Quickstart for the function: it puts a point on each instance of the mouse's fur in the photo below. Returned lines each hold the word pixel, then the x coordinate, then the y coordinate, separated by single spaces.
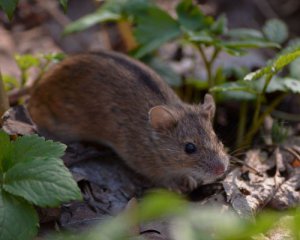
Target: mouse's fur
pixel 115 100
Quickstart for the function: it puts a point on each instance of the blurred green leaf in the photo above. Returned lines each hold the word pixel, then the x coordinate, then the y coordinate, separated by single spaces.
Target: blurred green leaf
pixel 201 37
pixel 219 27
pixel 294 69
pixel 10 82
pixel 154 28
pixel 190 16
pixel 285 59
pixel 235 86
pixel 245 33
pixel 5 153
pixel 160 204
pixel 54 57
pixel 197 83
pixel 165 71
pixel 292 46
pixel 27 61
pixel 90 20
pixel 250 44
pixel 275 85
pixel 293 85
pixel 276 30
pixel 273 66
pixel 9 6
pixel 64 3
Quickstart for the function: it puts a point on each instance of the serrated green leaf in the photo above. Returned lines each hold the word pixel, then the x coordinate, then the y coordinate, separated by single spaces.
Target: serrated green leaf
pixel 27 61
pixel 276 31
pixel 154 28
pixel 245 33
pixel 9 6
pixel 28 148
pixel 18 219
pixel 64 3
pixel 5 153
pixel 257 74
pixel 45 182
pixel 219 27
pixel 90 20
pixel 190 16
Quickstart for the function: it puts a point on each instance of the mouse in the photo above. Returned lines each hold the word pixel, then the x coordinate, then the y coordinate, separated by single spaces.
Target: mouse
pixel 112 99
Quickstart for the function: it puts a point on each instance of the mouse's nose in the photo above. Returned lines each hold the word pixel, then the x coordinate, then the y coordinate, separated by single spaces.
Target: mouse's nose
pixel 219 169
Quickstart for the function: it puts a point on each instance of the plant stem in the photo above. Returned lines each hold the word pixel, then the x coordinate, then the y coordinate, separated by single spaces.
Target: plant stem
pixel 242 123
pixel 260 99
pixel 3 99
pixel 256 125
pixel 207 64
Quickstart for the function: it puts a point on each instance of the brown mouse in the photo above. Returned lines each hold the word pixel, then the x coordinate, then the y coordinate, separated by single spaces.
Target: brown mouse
pixel 118 101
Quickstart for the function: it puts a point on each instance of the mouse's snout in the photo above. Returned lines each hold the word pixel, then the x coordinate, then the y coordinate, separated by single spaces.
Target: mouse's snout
pixel 220 165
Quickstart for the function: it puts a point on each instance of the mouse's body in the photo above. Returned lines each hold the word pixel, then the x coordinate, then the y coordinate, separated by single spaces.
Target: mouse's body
pixel 112 99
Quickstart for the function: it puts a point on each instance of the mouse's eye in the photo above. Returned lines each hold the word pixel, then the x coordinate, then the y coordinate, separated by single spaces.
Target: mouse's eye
pixel 190 148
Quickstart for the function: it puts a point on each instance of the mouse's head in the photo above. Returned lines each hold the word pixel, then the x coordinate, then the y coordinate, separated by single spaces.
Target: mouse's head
pixel 190 152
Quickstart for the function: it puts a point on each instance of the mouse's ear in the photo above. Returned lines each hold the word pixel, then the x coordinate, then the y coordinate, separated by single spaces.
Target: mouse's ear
pixel 161 117
pixel 208 107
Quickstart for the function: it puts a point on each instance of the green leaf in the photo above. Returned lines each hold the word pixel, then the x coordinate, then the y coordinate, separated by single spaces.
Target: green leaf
pixel 284 60
pixel 27 61
pixel 5 153
pixel 235 86
pixel 54 57
pixel 10 82
pixel 197 83
pixel 202 37
pixel 275 85
pixel 245 33
pixel 19 220
pixel 64 3
pixel 273 66
pixel 190 16
pixel 90 20
pixel 276 31
pixel 160 203
pixel 292 85
pixel 294 68
pixel 219 27
pixel 45 182
pixel 154 28
pixel 28 148
pixel 250 44
pixel 9 7
pixel 165 71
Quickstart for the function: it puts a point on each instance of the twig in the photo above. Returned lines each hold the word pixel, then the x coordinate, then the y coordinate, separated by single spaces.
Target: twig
pixel 4 105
